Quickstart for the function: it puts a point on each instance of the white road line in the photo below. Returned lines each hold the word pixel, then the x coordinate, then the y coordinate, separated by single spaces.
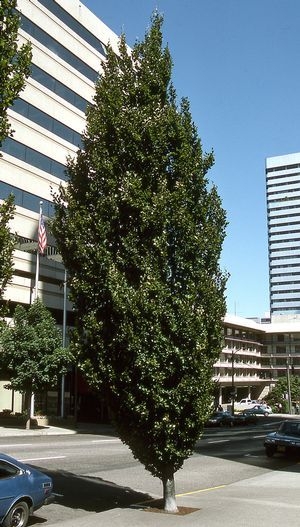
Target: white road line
pixel 41 458
pixel 259 437
pixel 106 441
pixel 15 446
pixel 219 441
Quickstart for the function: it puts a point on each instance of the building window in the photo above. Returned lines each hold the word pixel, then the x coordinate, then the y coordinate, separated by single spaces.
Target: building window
pixel 59 50
pixel 34 158
pixel 46 121
pixel 58 88
pixel 73 24
pixel 26 199
pixel 281 349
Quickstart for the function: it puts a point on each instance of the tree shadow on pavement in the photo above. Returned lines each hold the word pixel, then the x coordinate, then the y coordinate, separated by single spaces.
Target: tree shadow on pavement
pixel 90 493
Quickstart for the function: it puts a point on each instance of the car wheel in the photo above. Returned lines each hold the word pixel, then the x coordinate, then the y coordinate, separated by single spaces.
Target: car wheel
pixel 17 516
pixel 266 414
pixel 270 452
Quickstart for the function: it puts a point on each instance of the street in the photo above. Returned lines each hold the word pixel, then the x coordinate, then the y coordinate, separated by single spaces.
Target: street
pixel 93 473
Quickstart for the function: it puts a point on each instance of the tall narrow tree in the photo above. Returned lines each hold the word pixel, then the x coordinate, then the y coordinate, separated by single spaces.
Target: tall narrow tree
pixel 14 64
pixel 140 230
pixel 14 69
pixel 7 244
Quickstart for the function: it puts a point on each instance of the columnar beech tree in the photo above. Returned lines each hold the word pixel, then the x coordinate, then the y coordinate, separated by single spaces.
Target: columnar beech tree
pixel 31 351
pixel 140 230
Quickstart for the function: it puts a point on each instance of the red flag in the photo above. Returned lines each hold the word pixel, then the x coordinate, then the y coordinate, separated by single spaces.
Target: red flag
pixel 42 243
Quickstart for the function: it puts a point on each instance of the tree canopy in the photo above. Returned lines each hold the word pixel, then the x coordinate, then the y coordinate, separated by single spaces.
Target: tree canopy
pixel 14 69
pixel 140 229
pixel 31 350
pixel 14 63
pixel 7 244
pixel 280 391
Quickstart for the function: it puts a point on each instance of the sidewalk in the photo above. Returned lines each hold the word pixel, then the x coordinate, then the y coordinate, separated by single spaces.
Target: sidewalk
pixel 268 500
pixel 81 428
pixel 92 428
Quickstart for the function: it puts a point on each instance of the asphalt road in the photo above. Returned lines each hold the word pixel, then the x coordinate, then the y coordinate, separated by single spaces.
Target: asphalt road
pixel 95 473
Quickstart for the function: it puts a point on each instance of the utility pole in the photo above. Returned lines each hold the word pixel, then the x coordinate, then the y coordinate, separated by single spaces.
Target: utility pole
pixel 232 383
pixel 289 385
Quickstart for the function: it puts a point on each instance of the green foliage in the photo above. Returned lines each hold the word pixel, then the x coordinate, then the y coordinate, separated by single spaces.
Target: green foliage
pixel 278 393
pixel 141 238
pixel 14 69
pixel 31 353
pixel 7 243
pixel 14 62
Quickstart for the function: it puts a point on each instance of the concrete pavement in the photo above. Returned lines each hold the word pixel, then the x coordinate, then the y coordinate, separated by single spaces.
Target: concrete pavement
pixel 270 499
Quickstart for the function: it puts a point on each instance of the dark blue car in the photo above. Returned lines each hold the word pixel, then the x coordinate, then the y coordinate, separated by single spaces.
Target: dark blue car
pixel 285 441
pixel 22 490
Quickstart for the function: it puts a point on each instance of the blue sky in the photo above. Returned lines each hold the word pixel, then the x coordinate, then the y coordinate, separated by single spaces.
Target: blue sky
pixel 237 61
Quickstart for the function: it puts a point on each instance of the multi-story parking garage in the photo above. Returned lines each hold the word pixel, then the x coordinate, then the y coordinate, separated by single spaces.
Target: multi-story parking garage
pixel 254 356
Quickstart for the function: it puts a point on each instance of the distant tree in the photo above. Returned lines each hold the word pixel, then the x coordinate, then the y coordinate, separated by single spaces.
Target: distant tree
pixel 280 390
pixel 14 64
pixel 31 351
pixel 141 237
pixel 7 244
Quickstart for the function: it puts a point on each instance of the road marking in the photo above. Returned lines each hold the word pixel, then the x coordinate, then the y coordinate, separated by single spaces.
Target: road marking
pixel 15 446
pixel 106 441
pixel 219 441
pixel 259 437
pixel 41 458
pixel 200 490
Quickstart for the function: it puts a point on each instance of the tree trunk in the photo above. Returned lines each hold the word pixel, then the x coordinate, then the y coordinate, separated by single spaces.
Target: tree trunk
pixel 169 491
pixel 28 410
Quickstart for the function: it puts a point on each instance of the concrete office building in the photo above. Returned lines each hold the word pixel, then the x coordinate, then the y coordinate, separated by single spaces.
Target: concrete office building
pixel 254 356
pixel 68 44
pixel 283 215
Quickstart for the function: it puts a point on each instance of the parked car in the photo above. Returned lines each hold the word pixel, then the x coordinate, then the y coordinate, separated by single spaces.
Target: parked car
pixel 22 490
pixel 220 419
pixel 245 418
pixel 285 441
pixel 247 401
pixel 259 409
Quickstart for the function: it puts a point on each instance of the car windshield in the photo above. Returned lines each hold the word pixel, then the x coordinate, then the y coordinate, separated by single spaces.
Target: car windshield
pixel 290 429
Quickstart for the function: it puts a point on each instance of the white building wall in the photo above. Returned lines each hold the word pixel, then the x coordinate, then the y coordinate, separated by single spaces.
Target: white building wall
pixel 21 174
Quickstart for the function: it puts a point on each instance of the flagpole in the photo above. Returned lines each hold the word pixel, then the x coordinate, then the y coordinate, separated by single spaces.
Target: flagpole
pixel 37 272
pixel 37 269
pixel 62 402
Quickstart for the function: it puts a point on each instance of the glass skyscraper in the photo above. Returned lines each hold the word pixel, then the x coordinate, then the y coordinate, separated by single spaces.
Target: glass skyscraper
pixel 283 215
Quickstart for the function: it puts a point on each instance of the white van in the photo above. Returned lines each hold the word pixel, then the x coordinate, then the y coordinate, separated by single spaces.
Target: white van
pixel 247 401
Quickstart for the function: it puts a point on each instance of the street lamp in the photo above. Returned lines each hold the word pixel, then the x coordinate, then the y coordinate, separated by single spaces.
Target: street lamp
pixel 289 385
pixel 233 392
